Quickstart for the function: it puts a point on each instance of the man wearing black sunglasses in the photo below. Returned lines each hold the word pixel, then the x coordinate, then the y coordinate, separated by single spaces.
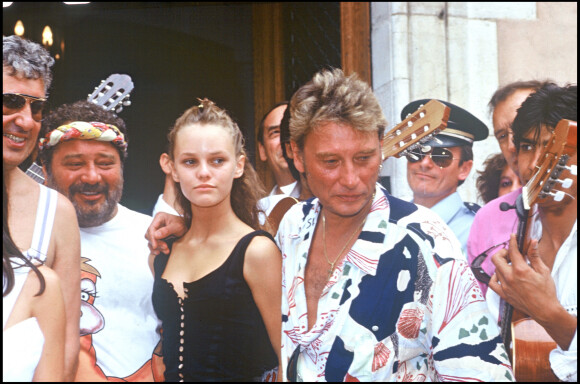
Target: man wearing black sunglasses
pixel 26 77
pixel 435 171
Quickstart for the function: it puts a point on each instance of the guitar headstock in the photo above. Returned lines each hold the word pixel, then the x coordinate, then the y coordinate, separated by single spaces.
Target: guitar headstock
pixel 113 93
pixel 553 164
pixel 420 126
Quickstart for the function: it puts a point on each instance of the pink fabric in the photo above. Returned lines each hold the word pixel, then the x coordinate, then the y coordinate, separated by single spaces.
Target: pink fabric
pixel 490 227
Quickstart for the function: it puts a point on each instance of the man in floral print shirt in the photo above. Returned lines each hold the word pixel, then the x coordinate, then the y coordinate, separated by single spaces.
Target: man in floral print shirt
pixel 374 288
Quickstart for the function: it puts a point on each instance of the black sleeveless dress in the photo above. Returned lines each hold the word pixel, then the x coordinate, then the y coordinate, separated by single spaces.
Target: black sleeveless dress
pixel 216 333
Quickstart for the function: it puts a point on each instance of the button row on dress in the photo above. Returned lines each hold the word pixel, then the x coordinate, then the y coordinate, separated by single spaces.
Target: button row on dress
pixel 181 339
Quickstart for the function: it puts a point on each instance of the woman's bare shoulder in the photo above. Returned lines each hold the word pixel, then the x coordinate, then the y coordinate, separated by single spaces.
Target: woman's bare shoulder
pixel 262 249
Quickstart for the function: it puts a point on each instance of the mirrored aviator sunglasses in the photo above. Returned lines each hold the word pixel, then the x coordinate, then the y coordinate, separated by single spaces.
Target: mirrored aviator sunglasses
pixel 442 157
pixel 14 102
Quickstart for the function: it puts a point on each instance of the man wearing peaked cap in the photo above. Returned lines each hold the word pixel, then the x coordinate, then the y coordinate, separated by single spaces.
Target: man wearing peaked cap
pixel 435 171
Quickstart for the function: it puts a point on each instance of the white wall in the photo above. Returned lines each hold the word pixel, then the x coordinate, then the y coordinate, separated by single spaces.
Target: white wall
pixel 461 52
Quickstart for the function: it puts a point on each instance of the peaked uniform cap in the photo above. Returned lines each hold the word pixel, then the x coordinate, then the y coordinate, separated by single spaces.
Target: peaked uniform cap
pixel 463 128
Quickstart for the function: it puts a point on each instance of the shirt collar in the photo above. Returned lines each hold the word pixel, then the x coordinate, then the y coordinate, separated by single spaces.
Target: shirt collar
pixel 448 207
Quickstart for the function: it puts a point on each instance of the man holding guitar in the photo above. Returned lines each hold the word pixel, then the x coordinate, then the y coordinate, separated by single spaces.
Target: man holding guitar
pixel 484 240
pixel 544 287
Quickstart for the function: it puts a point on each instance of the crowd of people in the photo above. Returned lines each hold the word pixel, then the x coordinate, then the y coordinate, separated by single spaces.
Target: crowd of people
pixel 345 283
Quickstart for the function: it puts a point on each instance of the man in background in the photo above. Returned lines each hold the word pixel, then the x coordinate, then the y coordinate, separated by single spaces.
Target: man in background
pixel 436 171
pixel 485 239
pixel 270 151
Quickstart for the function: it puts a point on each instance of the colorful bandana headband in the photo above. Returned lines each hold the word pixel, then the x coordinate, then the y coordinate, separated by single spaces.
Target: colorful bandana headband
pixel 81 130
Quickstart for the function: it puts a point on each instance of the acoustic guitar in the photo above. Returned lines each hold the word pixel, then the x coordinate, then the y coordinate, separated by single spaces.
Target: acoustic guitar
pixel 113 93
pixel 528 342
pixel 409 135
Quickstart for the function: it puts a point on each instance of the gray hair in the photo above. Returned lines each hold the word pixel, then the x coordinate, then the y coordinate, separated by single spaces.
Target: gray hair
pixel 27 59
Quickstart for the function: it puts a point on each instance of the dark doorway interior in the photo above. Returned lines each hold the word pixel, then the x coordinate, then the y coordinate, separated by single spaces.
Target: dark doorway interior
pixel 174 53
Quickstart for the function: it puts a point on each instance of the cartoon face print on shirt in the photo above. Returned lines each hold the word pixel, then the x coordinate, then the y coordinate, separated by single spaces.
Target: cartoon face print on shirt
pixel 92 321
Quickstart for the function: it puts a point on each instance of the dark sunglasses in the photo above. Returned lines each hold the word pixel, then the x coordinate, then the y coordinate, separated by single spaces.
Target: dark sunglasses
pixel 476 268
pixel 14 102
pixel 292 368
pixel 442 157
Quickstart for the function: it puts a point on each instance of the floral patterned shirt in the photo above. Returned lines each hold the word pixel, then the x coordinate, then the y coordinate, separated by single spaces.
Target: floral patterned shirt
pixel 403 304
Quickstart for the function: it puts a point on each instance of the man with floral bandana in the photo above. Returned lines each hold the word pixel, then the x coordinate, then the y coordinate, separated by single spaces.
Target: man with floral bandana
pixel 83 150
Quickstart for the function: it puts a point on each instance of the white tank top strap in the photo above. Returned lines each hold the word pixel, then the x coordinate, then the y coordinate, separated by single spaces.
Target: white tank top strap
pixel 43 225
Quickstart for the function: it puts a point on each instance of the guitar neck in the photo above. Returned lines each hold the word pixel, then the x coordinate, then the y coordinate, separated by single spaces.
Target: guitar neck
pixel 524 224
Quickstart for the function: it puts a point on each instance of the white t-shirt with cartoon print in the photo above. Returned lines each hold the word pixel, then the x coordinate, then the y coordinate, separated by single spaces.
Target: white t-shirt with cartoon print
pixel 116 288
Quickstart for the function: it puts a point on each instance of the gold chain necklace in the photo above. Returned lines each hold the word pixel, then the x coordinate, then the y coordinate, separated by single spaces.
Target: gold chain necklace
pixel 342 250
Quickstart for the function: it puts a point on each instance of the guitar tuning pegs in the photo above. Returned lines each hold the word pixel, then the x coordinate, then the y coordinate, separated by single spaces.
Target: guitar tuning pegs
pixel 566 183
pixel 412 155
pixel 409 123
pixel 119 108
pixel 127 103
pixel 425 148
pixel 558 196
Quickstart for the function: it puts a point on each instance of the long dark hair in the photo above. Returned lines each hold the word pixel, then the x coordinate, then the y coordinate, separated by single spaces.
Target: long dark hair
pixel 10 252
